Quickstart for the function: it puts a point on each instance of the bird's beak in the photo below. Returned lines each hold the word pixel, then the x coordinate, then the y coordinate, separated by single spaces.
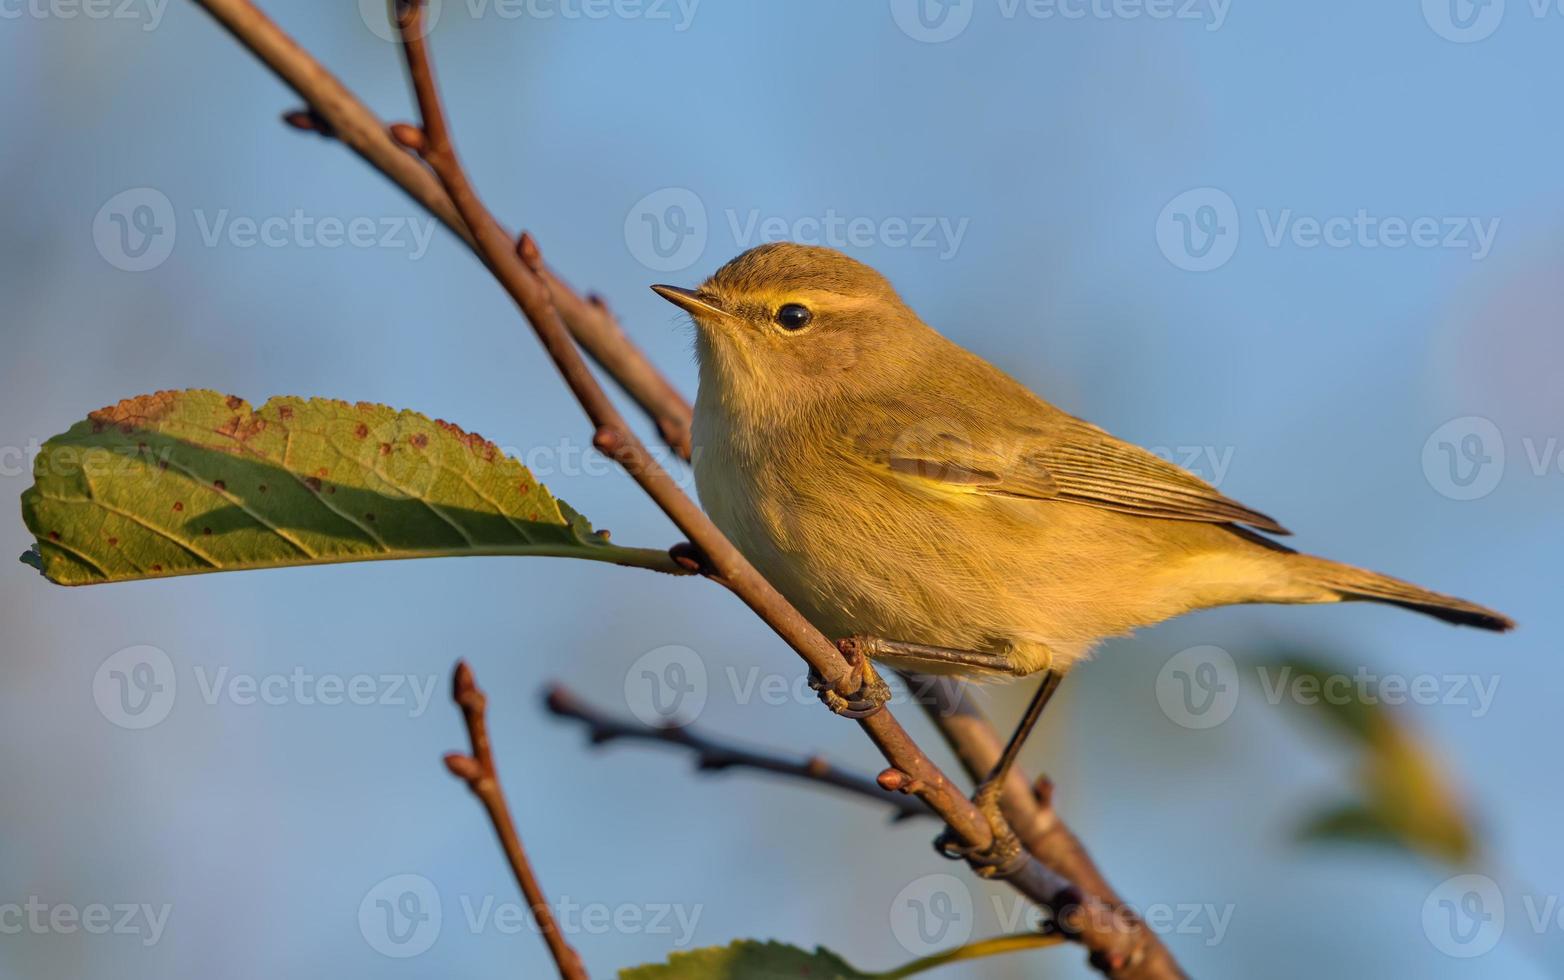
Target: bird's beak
pixel 690 301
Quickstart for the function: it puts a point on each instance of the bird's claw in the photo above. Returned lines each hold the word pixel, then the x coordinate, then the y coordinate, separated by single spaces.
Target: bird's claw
pixel 1004 855
pixel 863 700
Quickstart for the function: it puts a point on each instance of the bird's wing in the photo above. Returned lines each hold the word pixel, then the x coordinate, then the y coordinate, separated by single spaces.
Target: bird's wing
pixel 1058 457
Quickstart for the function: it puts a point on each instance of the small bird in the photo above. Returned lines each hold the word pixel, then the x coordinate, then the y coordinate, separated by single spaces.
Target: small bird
pixel 898 488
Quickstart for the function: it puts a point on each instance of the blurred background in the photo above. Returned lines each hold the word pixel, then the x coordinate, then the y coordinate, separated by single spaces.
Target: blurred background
pixel 1309 251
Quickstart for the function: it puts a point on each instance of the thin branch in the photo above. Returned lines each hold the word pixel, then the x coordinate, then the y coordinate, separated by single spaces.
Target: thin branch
pixel 335 112
pixel 1091 913
pixel 714 755
pixel 598 331
pixel 1126 950
pixel 614 438
pixel 483 779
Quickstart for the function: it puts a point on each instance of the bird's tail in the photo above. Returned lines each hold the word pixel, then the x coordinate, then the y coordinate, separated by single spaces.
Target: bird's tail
pixel 1350 584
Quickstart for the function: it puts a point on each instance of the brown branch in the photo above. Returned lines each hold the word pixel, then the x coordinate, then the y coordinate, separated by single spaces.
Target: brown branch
pixel 1120 944
pixel 1127 949
pixel 484 781
pixel 336 112
pixel 332 109
pixel 713 755
pixel 596 330
pixel 615 439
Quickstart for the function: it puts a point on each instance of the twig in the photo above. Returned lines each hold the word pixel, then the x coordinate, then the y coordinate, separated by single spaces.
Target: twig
pixel 1129 949
pixel 596 330
pixel 484 781
pixel 712 755
pixel 336 112
pixel 615 439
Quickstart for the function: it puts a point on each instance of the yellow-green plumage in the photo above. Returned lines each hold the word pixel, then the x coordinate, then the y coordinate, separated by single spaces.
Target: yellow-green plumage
pixel 893 484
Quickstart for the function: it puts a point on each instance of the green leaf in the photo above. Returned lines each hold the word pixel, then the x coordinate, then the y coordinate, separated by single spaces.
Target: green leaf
pixel 747 959
pixel 183 482
pixel 1404 799
pixel 1348 822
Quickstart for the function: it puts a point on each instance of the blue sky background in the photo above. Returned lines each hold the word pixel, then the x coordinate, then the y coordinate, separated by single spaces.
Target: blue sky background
pixel 1318 374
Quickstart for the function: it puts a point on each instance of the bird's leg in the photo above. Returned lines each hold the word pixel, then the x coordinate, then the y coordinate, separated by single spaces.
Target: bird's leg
pixel 874 646
pixel 1004 855
pixel 862 693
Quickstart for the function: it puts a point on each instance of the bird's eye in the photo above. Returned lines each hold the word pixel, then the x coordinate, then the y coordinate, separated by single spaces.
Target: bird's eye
pixel 794 316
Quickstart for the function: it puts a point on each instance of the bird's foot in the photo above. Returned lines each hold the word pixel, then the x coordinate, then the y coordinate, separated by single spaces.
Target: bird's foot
pixel 1004 855
pixel 861 693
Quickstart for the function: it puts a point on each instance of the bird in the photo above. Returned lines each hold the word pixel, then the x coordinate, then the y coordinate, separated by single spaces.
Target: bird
pixel 899 489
